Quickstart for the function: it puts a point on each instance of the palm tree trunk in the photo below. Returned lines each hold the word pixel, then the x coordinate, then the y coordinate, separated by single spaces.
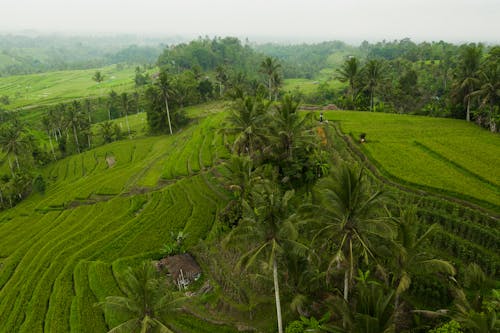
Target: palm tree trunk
pixel 76 139
pixel 352 95
pixel 270 91
pixel 128 126
pixel 168 115
pixel 17 162
pixel 10 166
pixel 277 295
pixel 467 116
pixel 493 127
pixel 51 146
pixel 371 100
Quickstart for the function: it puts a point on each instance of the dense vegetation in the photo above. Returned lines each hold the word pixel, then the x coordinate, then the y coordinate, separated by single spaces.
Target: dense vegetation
pixel 27 54
pixel 334 221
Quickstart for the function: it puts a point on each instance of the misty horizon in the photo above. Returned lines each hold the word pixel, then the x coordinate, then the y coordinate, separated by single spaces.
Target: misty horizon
pixel 261 21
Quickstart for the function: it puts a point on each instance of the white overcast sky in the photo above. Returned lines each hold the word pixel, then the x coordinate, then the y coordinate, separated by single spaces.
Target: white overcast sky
pixel 350 20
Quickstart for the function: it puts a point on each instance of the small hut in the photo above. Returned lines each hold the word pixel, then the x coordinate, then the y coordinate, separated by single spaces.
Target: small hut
pixel 182 268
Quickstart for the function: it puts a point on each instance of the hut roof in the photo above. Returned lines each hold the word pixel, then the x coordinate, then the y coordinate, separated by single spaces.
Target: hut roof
pixel 185 262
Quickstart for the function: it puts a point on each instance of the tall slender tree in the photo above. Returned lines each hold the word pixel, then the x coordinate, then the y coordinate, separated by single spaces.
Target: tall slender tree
pixel 73 120
pixel 374 74
pixel 13 142
pixel 246 121
pixel 349 72
pixel 270 67
pixel 125 101
pixel 348 215
pixel 269 228
pixel 467 75
pixel 164 85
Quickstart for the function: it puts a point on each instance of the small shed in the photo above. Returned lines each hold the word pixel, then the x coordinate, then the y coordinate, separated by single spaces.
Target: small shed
pixel 182 268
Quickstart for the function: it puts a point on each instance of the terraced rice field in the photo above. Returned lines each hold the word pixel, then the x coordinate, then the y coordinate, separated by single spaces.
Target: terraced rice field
pixel 61 86
pixel 63 251
pixel 447 155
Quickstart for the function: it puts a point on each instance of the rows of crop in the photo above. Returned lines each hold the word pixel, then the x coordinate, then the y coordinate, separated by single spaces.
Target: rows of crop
pixel 467 235
pixel 390 143
pixel 85 316
pixel 51 275
pixel 58 277
pixel 18 291
pixel 204 211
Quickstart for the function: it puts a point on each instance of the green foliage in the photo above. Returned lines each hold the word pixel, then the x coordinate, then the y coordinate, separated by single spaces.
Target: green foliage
pixel 450 327
pixel 467 146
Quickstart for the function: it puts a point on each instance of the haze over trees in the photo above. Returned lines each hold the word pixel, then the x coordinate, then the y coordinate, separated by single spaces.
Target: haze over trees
pixel 297 226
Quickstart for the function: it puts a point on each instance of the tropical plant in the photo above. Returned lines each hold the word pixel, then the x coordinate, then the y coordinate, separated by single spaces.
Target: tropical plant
pixel 349 72
pixel 246 120
pixel 164 85
pixel 125 101
pixel 74 119
pixel 13 142
pixel 374 75
pixel 348 216
pixel 270 66
pixel 466 77
pixel 409 254
pixel 489 91
pixel 269 229
pixel 147 299
pixel 289 130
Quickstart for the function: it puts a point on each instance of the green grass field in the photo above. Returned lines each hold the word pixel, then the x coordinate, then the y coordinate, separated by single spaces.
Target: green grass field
pixel 444 154
pixel 53 87
pixel 63 251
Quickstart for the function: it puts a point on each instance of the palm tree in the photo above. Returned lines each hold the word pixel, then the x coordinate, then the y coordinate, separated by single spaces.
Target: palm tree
pixel 270 66
pixel 246 120
pixel 147 300
pixel 467 74
pixel 74 120
pixel 47 125
pixel 106 129
pixel 88 108
pixel 489 90
pixel 221 77
pixel 289 130
pixel 125 106
pixel 409 254
pixel 268 227
pixel 374 75
pixel 349 72
pixel 13 142
pixel 164 85
pixel 372 312
pixel 348 215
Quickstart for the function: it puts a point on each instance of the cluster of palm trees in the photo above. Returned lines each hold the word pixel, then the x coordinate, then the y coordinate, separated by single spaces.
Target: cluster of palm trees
pixel 341 245
pixel 477 79
pixel 475 84
pixel 19 150
pixel 368 77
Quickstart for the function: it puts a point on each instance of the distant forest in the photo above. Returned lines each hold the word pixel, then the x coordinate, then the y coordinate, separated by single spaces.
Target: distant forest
pixel 37 54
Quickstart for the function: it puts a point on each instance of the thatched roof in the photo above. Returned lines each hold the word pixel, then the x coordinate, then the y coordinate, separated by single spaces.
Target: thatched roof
pixel 181 262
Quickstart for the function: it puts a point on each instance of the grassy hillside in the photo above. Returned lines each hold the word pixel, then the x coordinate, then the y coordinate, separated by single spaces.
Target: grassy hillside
pixel 446 155
pixel 54 87
pixel 63 251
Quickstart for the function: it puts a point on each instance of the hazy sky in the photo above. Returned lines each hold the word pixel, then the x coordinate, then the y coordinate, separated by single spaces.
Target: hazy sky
pixel 351 20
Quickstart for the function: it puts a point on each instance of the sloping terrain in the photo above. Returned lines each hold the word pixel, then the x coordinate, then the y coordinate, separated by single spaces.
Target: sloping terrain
pixel 60 252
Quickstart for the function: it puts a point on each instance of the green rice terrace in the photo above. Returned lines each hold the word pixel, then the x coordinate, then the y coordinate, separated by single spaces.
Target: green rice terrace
pixel 231 191
pixel 104 209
